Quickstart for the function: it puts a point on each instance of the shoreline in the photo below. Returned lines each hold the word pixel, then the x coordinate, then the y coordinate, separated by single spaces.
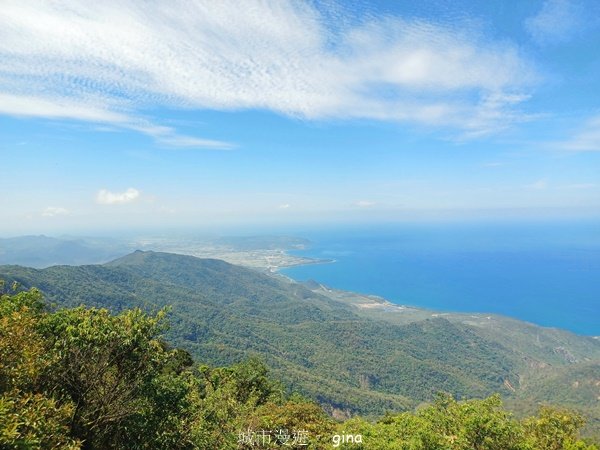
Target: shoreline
pixel 380 306
pixel 305 262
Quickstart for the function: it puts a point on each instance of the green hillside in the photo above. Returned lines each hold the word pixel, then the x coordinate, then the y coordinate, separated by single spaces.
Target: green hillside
pixel 317 345
pixel 537 346
pixel 85 379
pixel 553 365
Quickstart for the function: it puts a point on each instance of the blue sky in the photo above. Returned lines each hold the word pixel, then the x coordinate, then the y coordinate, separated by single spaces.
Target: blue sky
pixel 128 114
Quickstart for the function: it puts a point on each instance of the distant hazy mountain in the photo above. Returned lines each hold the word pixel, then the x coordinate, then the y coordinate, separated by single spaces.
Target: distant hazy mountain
pixel 348 358
pixel 44 251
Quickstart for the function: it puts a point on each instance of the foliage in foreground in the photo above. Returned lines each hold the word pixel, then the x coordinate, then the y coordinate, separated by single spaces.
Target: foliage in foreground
pixel 84 378
pixel 470 425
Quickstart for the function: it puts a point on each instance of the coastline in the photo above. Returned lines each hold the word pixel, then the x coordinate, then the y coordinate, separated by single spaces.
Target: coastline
pixel 304 262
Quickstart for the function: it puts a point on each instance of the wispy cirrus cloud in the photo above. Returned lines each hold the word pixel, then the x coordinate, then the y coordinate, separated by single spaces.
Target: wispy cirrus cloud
pixel 52 211
pixel 61 107
pixel 105 197
pixel 557 21
pixel 580 186
pixel 538 185
pixel 585 139
pixel 111 61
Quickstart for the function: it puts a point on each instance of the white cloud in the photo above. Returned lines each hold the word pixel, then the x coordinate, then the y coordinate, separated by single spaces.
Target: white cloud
pixel 538 185
pixel 364 204
pixel 57 108
pixel 557 21
pixel 105 197
pixel 61 107
pixel 173 140
pixel 285 206
pixel 52 211
pixel 580 186
pixel 110 61
pixel 586 139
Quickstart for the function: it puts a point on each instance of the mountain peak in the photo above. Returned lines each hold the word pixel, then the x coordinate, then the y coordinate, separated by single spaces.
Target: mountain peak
pixel 144 257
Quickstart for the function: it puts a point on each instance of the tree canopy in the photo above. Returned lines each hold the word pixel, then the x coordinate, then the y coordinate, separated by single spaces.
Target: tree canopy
pixel 83 378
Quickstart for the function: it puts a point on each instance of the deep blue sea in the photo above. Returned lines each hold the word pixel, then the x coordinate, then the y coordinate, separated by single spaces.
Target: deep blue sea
pixel 545 273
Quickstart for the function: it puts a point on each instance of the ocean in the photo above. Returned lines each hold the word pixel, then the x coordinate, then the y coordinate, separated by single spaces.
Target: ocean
pixel 545 273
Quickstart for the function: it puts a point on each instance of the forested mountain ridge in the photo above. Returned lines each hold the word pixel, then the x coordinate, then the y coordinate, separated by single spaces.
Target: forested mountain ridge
pixel 554 365
pixel 85 379
pixel 317 345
